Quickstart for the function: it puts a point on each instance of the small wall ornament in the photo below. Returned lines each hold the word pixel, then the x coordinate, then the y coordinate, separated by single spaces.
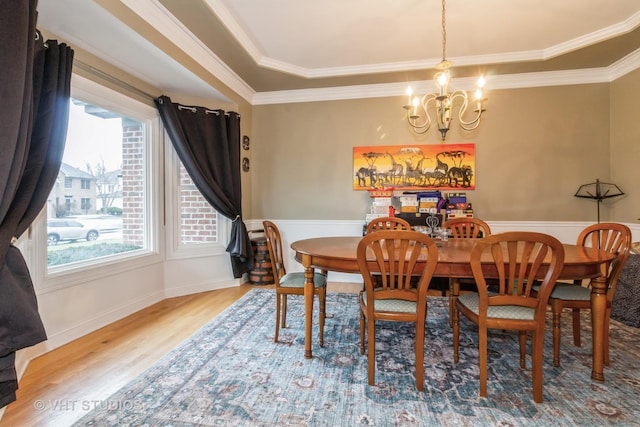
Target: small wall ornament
pixel 245 164
pixel 245 142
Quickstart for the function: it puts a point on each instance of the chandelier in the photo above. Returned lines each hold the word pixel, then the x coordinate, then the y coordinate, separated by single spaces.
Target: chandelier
pixel 418 108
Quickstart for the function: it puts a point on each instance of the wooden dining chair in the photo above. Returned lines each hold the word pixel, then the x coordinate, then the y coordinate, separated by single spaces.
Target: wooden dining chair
pixel 520 259
pixel 614 238
pixel 470 228
pixel 388 223
pixel 463 228
pixel 291 283
pixel 394 256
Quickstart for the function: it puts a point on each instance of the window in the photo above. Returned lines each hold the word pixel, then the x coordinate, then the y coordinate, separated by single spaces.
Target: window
pixel 195 228
pixel 100 143
pixel 85 204
pixel 108 213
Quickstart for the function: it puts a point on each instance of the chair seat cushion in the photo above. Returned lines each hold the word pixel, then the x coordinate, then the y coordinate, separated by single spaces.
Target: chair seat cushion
pixel 472 301
pixel 395 305
pixel 569 291
pixel 296 280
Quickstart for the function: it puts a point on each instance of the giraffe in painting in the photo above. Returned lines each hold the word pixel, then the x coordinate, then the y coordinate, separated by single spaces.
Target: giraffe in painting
pixel 397 170
pixel 442 166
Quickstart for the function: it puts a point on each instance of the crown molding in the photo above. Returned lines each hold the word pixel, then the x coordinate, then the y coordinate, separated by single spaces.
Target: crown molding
pixel 511 81
pixel 609 32
pixel 624 66
pixel 156 15
pixel 227 18
pixel 235 29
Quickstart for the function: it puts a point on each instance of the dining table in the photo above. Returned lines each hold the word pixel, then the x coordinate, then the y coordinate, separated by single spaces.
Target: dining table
pixel 339 254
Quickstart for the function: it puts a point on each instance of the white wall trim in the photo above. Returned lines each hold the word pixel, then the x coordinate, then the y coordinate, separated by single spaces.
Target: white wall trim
pixel 263 60
pixel 196 288
pixel 99 321
pixel 506 81
pixel 156 15
pixel 292 230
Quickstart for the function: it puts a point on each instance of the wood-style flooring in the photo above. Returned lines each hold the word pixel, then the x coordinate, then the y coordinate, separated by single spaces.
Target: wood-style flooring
pixel 61 386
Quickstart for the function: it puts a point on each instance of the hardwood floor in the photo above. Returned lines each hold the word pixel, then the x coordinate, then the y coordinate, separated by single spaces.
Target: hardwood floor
pixel 61 386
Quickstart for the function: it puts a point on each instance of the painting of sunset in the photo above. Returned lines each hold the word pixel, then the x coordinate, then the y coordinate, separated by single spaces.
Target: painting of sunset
pixel 415 167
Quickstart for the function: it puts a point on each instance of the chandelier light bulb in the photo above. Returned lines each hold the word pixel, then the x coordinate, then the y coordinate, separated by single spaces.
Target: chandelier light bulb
pixel 443 79
pixel 409 93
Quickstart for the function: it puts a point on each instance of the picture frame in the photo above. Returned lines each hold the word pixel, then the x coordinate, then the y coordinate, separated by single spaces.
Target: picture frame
pixel 415 167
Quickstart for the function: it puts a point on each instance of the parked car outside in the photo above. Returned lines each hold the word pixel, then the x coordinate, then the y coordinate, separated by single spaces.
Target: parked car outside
pixel 104 223
pixel 69 230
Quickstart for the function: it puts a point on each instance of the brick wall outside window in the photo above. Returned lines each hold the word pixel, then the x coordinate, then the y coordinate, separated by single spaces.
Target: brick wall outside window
pixel 198 220
pixel 133 178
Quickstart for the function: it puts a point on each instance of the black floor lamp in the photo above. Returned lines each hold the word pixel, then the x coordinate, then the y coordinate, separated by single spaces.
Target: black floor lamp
pixel 598 191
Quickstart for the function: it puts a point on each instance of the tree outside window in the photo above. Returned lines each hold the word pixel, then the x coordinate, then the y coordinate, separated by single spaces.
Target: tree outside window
pixel 108 149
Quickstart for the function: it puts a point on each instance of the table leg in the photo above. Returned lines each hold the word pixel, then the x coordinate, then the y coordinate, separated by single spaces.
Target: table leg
pixel 308 306
pixel 598 309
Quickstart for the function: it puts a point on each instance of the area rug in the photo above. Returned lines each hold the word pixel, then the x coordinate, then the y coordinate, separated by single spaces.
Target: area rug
pixel 231 373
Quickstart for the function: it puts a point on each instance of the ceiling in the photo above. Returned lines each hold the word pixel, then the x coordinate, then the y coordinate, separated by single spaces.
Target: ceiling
pixel 286 50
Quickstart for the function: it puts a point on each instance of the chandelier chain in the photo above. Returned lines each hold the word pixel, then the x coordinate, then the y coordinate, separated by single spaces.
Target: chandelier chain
pixel 444 32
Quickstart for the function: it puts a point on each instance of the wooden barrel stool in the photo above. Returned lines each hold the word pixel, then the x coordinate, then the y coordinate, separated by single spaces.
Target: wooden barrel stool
pixel 261 273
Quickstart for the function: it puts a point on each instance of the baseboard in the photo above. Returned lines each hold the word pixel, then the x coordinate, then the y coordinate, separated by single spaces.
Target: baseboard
pixel 172 292
pixel 24 356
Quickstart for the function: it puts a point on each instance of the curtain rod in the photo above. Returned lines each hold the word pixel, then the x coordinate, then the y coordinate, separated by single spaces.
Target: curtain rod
pixel 206 111
pixel 86 67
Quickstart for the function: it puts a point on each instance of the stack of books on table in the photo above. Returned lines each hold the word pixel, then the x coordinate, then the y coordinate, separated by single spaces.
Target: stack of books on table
pixel 381 203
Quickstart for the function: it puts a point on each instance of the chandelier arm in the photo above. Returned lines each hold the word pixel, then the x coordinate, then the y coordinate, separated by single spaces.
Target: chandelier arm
pixel 426 100
pixel 418 128
pixel 466 125
pixel 413 122
pixel 413 115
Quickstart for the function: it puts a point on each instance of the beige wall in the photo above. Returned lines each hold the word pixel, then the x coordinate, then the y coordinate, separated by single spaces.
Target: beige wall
pixel 534 148
pixel 625 147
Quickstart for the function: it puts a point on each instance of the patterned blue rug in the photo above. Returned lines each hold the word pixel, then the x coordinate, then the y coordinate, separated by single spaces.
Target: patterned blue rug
pixel 231 373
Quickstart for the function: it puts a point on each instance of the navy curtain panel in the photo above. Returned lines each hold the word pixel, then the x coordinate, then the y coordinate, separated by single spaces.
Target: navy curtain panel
pixel 34 112
pixel 208 144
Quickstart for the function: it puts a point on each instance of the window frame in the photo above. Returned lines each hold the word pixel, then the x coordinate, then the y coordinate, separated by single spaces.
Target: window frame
pixel 175 249
pixel 58 277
